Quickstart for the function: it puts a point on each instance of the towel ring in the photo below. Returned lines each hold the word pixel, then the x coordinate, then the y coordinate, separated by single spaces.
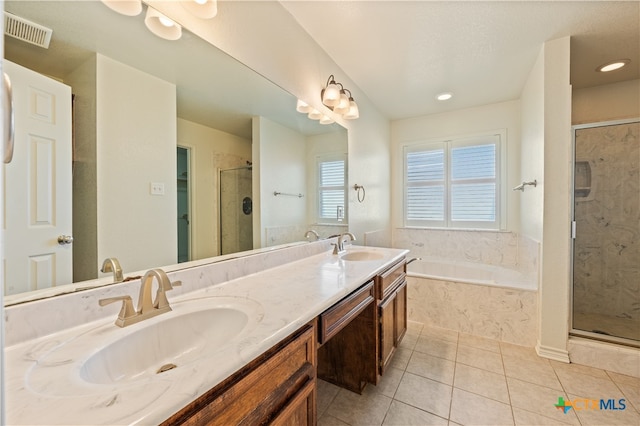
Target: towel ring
pixel 358 188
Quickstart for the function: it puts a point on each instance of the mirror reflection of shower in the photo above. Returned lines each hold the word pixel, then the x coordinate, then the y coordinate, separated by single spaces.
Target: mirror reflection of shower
pixel 236 209
pixel 184 195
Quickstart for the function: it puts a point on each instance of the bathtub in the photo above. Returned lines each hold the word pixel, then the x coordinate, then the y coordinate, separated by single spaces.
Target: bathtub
pixel 478 299
pixel 470 273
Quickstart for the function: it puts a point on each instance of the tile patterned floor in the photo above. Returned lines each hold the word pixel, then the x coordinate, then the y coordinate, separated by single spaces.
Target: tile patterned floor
pixel 441 377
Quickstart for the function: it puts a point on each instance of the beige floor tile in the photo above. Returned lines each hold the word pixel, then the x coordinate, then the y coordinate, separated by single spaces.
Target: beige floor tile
pixel 431 367
pixel 437 347
pixel 408 341
pixel 509 350
pixel 577 368
pixel 537 372
pixel 389 382
pixel 366 409
pixel 325 393
pixel 632 394
pixel 440 333
pixel 425 394
pixel 588 386
pixel 481 382
pixel 401 358
pixel 528 418
pixel 479 342
pixel 628 416
pixel 400 414
pixel 414 327
pixel 624 379
pixel 327 420
pixel 539 399
pixel 480 358
pixel 471 409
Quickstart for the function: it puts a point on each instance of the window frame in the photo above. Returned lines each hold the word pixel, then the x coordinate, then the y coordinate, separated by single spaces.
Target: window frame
pixel 447 145
pixel 327 158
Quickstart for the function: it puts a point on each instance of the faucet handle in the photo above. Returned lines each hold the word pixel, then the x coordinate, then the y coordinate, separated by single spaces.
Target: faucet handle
pixel 161 301
pixel 127 310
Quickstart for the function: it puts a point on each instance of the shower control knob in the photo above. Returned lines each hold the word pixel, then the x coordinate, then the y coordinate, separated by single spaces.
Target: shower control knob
pixel 65 239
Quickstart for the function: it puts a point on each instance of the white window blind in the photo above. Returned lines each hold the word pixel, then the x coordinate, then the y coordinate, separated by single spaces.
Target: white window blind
pixel 453 184
pixel 331 190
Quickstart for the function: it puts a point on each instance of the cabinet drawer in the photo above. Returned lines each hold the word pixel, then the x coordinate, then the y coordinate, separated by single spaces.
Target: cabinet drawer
pixel 339 315
pixel 388 280
pixel 264 390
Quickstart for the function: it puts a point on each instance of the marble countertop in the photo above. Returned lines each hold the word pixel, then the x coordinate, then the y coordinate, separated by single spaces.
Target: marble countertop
pixel 43 382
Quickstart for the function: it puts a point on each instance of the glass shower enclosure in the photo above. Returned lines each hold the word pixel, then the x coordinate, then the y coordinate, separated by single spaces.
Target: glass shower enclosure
pixel 236 210
pixel 606 250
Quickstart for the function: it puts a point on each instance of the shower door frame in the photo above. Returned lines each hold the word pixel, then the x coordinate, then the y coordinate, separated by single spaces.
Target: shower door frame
pixel 572 330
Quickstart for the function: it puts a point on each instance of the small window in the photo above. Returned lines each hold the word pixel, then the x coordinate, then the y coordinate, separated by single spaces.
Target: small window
pixel 453 183
pixel 332 178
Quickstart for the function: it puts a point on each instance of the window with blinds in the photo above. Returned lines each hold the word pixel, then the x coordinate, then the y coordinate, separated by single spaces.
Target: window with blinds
pixel 453 184
pixel 332 178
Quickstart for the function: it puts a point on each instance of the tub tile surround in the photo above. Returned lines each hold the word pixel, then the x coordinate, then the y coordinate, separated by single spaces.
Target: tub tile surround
pixel 508 314
pixel 506 249
pixel 292 285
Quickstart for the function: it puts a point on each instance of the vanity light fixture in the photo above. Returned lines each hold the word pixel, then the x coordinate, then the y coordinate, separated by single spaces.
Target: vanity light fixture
pixel 162 26
pixel 325 119
pixel 334 96
pixel 444 96
pixel 302 106
pixel 125 7
pixel 205 9
pixel 612 66
pixel 314 114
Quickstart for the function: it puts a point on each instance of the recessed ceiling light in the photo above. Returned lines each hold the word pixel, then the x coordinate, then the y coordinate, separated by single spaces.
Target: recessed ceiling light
pixel 444 96
pixel 611 66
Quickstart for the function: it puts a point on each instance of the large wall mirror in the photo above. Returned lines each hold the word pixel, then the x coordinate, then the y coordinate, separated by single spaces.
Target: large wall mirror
pixel 176 153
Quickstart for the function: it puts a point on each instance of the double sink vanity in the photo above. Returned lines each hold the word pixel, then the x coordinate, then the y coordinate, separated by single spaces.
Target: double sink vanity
pixel 242 343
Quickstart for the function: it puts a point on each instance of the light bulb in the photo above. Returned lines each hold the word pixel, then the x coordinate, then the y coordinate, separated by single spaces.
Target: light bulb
pixel 326 120
pixel 353 112
pixel 302 106
pixel 315 114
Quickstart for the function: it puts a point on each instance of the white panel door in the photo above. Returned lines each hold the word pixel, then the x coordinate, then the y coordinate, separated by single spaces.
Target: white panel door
pixel 38 184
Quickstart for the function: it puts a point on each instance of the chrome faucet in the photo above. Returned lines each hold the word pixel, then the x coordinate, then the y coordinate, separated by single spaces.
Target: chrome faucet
pixel 111 264
pixel 338 247
pixel 147 307
pixel 310 233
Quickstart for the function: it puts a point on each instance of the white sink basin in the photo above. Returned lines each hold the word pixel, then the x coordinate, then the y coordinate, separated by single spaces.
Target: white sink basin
pixel 361 255
pixel 164 345
pixel 110 355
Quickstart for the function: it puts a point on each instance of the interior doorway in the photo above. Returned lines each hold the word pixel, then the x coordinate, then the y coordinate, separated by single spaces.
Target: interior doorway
pixel 184 204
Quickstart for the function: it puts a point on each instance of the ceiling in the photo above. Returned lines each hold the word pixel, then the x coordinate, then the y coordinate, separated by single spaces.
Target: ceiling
pixel 403 53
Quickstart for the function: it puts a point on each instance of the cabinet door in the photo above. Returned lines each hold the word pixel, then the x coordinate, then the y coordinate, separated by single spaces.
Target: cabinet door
pixel 387 316
pixel 401 313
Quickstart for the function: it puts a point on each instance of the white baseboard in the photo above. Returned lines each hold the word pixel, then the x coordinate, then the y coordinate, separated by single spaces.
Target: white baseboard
pixel 555 354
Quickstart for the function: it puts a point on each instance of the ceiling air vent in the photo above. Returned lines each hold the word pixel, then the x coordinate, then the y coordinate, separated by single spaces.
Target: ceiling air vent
pixel 25 30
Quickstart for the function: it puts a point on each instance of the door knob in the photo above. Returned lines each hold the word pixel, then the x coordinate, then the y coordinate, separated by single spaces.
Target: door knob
pixel 65 239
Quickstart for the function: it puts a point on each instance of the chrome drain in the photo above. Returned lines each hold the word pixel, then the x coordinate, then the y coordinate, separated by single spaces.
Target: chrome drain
pixel 166 367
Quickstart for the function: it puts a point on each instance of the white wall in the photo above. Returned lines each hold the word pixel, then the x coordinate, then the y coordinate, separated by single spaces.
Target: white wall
pixel 555 283
pixel 532 150
pixel 282 51
pixel 204 143
pixel 504 115
pixel 136 128
pixel 279 164
pixel 606 103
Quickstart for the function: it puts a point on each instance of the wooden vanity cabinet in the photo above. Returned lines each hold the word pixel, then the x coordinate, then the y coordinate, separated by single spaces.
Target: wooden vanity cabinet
pixel 391 292
pixel 277 388
pixel 347 355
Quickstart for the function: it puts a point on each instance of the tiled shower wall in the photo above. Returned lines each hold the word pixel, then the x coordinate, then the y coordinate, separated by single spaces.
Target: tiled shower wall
pixel 607 214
